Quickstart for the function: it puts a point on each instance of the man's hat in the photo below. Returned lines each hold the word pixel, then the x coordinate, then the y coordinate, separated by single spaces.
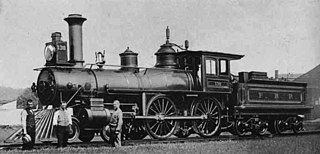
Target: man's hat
pixel 116 102
pixel 29 101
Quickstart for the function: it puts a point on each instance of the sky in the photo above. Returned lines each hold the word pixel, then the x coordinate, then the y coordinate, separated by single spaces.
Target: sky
pixel 273 35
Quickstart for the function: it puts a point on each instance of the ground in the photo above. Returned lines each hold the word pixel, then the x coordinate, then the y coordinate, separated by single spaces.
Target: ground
pixel 6 131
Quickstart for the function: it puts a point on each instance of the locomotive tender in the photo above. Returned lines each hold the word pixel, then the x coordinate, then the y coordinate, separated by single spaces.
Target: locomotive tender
pixel 185 92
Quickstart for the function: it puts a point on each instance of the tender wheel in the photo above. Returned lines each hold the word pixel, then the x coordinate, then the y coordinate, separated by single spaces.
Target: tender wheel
pixel 279 126
pixel 75 131
pixel 86 136
pixel 297 126
pixel 239 128
pixel 262 130
pixel 211 111
pixel 161 107
pixel 134 129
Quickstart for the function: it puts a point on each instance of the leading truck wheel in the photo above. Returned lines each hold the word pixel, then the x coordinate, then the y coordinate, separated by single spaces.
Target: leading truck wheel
pixel 104 134
pixel 210 109
pixel 134 129
pixel 75 131
pixel 161 106
pixel 86 136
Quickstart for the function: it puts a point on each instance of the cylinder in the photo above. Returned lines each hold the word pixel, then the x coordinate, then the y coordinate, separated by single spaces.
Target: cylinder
pixel 75 22
pixel 93 118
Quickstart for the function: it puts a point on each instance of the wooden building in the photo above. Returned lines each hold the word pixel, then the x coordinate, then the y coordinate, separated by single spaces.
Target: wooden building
pixel 313 91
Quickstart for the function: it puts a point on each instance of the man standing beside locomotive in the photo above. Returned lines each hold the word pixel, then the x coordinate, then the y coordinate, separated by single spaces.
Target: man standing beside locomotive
pixel 115 125
pixel 62 122
pixel 28 126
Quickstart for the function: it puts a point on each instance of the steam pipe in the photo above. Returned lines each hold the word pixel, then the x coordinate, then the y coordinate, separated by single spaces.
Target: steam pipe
pixel 75 22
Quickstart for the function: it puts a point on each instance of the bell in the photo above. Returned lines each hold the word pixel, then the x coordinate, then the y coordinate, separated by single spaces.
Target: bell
pixel 100 59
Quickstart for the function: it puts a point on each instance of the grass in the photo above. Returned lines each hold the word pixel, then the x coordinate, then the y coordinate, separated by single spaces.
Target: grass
pixel 283 145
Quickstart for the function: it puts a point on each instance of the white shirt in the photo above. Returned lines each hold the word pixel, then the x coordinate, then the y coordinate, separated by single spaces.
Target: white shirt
pixel 56 114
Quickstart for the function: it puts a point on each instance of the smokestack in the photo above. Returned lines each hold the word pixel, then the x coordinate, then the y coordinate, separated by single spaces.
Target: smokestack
pixel 75 22
pixel 276 74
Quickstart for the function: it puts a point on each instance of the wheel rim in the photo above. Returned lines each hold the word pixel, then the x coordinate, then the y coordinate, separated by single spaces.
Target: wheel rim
pixel 263 131
pixel 103 134
pixel 239 128
pixel 209 108
pixel 161 106
pixel 75 131
pixel 279 126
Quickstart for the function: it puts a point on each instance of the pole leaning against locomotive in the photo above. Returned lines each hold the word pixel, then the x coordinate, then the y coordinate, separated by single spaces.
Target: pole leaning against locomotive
pixel 186 92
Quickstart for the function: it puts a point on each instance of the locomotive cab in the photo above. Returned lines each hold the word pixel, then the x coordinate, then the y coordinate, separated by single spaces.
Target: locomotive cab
pixel 211 70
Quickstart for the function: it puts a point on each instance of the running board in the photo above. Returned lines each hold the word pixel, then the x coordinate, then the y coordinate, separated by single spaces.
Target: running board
pixel 172 117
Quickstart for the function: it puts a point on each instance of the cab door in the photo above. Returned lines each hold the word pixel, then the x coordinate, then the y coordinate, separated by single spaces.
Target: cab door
pixel 216 74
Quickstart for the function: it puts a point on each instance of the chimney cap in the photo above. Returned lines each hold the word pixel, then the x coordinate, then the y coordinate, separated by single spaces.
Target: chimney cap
pixel 74 15
pixel 75 18
pixel 128 52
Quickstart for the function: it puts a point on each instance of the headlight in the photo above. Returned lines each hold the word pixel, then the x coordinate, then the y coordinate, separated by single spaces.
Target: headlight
pixel 48 52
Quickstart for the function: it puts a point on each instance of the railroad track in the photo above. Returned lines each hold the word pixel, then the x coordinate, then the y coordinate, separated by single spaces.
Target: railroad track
pixel 195 139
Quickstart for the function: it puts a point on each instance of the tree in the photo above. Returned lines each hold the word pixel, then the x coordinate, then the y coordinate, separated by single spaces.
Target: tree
pixel 28 94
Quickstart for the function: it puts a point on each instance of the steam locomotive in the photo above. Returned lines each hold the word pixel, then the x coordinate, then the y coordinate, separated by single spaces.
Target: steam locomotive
pixel 186 92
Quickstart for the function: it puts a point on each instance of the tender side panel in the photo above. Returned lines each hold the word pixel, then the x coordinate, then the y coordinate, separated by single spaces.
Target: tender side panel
pixel 271 99
pixel 272 94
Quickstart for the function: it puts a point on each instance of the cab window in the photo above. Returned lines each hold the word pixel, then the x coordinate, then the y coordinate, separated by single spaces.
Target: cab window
pixel 223 67
pixel 211 66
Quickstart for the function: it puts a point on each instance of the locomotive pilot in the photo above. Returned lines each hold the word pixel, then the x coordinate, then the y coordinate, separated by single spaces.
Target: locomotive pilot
pixel 28 125
pixel 62 122
pixel 115 125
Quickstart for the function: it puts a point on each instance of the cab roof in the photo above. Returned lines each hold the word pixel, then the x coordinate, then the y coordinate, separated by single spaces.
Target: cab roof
pixel 212 53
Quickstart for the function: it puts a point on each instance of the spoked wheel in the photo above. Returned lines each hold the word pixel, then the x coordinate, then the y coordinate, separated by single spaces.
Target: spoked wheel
pixel 86 136
pixel 75 130
pixel 297 126
pixel 279 126
pixel 161 106
pixel 134 129
pixel 211 111
pixel 239 128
